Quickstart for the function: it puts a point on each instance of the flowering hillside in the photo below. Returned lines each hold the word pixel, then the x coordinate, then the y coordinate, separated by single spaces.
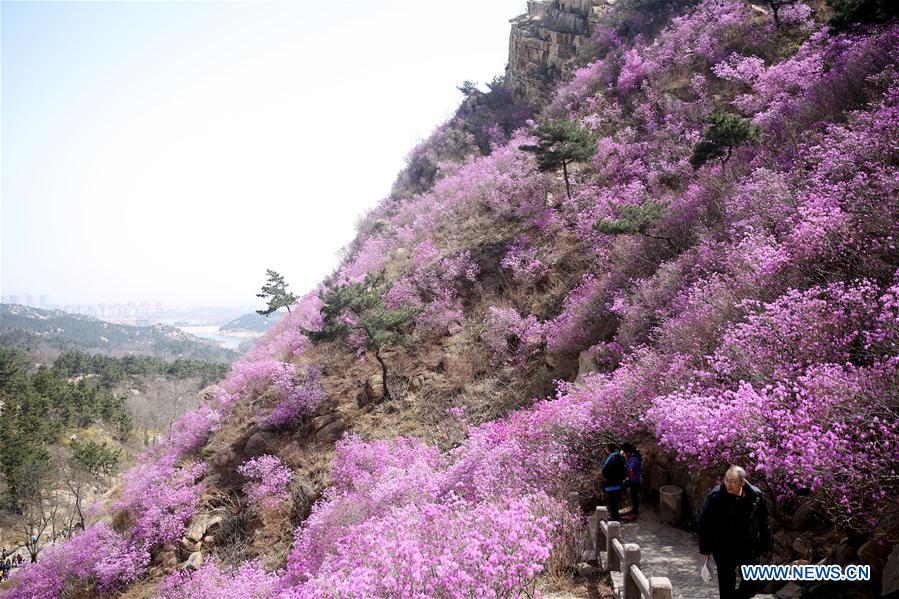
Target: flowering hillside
pixel 740 305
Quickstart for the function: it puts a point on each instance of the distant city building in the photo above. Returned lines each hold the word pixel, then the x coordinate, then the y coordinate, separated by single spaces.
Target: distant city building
pixel 45 300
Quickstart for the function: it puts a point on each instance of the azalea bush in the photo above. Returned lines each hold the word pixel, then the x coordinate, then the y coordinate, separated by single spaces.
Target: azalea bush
pixel 742 312
pixel 267 481
pixel 98 556
pixel 511 336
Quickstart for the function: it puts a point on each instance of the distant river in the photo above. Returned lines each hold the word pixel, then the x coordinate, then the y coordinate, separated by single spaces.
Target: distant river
pixel 213 334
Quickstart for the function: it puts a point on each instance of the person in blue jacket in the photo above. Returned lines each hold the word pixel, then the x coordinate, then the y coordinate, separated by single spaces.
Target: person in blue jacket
pixel 634 463
pixel 614 471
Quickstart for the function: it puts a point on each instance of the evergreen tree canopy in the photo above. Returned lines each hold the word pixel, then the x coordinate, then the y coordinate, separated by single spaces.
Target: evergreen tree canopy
pixel 355 312
pixel 94 458
pixel 275 291
pixel 725 132
pixel 559 143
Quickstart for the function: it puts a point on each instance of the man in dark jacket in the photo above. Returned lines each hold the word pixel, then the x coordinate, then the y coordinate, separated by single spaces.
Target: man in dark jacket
pixel 733 528
pixel 614 471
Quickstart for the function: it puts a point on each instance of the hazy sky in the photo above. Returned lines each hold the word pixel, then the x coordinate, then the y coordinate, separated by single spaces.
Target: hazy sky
pixel 175 150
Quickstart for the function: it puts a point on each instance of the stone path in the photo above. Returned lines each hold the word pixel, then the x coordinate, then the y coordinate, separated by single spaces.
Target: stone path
pixel 671 552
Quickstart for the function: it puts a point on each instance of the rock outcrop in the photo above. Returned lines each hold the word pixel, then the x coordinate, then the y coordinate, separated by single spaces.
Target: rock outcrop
pixel 544 44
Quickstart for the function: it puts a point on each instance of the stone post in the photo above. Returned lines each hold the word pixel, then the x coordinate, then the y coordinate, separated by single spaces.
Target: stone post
pixel 612 556
pixel 631 558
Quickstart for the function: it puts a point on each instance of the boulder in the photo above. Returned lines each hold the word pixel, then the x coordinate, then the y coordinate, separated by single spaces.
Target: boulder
pixel 194 561
pixel 331 432
pixel 188 546
pixel 257 444
pixel 208 393
pixel 304 495
pixel 843 554
pixel 807 516
pixel 889 581
pixel 201 524
pixel 372 392
pixel 874 553
pixel 585 365
pixel 585 570
pixel 319 422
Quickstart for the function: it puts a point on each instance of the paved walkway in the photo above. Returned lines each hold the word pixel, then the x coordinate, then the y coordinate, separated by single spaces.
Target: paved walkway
pixel 668 551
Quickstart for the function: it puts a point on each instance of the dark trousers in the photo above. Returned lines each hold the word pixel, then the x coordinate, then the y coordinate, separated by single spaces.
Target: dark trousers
pixel 635 497
pixel 614 500
pixel 727 565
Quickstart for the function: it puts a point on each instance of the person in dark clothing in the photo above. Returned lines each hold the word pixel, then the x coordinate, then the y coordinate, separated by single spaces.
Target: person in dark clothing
pixel 634 463
pixel 733 528
pixel 614 471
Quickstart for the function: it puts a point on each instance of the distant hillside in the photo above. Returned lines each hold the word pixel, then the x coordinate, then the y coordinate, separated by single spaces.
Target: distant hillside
pixel 252 322
pixel 27 327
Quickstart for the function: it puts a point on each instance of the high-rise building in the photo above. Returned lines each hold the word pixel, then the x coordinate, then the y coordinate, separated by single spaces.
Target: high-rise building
pixel 45 300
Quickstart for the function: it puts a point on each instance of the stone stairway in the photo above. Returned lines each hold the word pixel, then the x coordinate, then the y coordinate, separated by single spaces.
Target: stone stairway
pixel 666 551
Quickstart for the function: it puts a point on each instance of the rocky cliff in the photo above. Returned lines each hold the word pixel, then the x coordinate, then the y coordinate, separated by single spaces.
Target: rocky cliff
pixel 544 44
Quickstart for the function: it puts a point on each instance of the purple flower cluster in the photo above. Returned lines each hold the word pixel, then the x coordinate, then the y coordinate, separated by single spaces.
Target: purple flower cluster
pixel 267 482
pixel 511 336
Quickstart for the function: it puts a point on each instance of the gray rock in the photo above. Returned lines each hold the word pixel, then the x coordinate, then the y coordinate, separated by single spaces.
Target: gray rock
pixel 807 516
pixel 843 554
pixel 874 553
pixel 790 591
pixel 203 524
pixel 194 561
pixel 372 392
pixel 188 546
pixel 319 422
pixel 332 432
pixel 304 495
pixel 257 444
pixel 584 569
pixel 585 365
pixel 890 579
pixel 208 393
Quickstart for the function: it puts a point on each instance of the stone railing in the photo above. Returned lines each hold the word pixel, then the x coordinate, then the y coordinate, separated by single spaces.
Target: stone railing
pixel 625 558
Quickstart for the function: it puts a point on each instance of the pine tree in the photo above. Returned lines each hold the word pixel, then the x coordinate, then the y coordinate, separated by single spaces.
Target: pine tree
pixel 357 310
pixel 725 132
pixel 275 290
pixel 559 143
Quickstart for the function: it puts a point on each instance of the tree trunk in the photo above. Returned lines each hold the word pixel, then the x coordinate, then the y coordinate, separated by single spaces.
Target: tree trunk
pixel 565 175
pixel 383 372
